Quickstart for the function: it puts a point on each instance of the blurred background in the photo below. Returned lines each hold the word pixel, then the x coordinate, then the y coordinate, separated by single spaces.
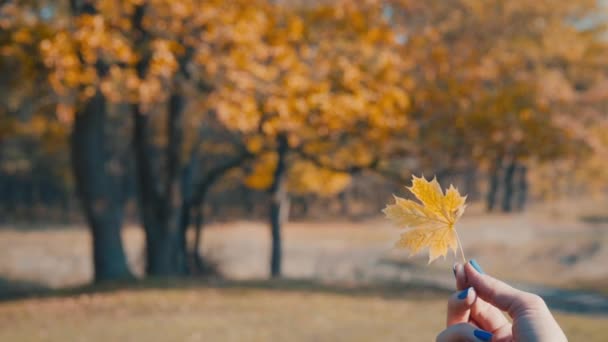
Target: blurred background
pixel 215 170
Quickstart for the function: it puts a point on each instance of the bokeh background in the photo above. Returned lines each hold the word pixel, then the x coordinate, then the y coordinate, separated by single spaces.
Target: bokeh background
pixel 215 170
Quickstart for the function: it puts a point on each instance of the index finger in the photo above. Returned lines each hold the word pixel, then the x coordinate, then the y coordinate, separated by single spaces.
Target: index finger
pixel 482 313
pixel 498 293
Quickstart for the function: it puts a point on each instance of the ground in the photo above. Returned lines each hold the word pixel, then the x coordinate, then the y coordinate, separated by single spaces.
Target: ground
pixel 262 311
pixel 344 282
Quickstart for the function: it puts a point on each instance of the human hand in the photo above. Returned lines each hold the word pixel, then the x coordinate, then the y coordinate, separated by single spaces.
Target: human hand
pixel 475 313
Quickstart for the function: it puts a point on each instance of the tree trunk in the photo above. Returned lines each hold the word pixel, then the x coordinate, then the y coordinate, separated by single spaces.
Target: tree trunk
pixel 344 204
pixel 199 262
pixel 161 202
pixel 279 206
pixel 249 201
pixel 194 198
pixel 493 185
pixel 160 197
pixel 522 185
pixel 470 183
pixel 509 185
pixel 164 251
pixel 99 190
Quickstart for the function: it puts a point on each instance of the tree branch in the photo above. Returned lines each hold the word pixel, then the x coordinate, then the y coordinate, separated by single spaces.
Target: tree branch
pixel 215 173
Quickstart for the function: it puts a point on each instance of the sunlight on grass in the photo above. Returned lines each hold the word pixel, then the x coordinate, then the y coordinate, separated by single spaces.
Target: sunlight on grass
pixel 239 314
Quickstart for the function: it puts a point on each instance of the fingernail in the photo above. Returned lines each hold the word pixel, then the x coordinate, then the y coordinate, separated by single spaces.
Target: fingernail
pixel 476 266
pixel 464 293
pixel 482 335
pixel 454 269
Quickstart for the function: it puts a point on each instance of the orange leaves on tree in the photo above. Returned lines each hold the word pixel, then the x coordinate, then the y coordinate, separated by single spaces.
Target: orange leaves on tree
pixel 305 177
pixel 261 177
pixel 163 63
pixel 308 68
pixel 430 223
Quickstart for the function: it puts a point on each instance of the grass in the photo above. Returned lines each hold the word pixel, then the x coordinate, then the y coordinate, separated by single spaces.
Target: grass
pixel 377 298
pixel 242 311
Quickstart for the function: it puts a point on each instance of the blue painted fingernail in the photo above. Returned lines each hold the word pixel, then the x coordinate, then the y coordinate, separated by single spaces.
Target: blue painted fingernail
pixel 476 266
pixel 482 335
pixel 464 293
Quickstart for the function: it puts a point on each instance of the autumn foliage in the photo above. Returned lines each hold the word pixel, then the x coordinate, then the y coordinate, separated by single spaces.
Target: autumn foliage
pixel 296 98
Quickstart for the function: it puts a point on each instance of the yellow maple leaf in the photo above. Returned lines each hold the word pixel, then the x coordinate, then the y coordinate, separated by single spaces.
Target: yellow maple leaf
pixel 431 222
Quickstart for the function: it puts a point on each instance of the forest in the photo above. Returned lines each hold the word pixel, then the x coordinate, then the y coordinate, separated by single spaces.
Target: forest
pixel 173 114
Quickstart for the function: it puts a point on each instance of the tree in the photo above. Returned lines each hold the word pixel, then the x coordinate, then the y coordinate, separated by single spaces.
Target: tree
pixel 493 83
pixel 298 95
pixel 30 135
pixel 45 36
pixel 145 55
pixel 98 170
pixel 319 86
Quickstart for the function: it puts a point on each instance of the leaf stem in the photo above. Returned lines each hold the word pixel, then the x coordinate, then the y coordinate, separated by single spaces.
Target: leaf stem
pixel 464 260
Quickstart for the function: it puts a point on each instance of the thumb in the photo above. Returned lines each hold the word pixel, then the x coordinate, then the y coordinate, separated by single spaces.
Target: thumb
pixel 459 306
pixel 499 294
